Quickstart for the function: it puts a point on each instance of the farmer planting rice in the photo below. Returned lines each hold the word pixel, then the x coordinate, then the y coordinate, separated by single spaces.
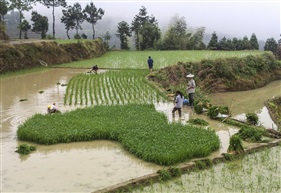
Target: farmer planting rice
pixel 52 108
pixel 94 69
pixel 178 103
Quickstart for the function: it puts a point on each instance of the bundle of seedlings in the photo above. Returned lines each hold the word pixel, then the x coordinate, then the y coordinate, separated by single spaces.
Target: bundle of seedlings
pixel 198 121
pixel 252 118
pixel 200 105
pixel 235 145
pixel 250 134
pixel 214 111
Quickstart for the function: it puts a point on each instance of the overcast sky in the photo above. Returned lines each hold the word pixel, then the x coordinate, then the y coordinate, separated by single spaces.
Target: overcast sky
pixel 234 17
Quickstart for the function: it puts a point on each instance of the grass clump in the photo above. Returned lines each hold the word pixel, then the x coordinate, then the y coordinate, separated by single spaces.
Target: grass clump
pixel 164 175
pixel 142 130
pixel 175 172
pixel 198 121
pixel 25 149
pixel 228 157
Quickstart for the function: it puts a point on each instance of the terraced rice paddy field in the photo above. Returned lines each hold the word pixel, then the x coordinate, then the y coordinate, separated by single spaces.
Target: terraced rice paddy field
pixel 119 105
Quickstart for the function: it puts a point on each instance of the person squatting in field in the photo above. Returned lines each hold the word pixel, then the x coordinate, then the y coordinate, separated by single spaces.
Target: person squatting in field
pixel 191 89
pixel 95 69
pixel 52 108
pixel 178 103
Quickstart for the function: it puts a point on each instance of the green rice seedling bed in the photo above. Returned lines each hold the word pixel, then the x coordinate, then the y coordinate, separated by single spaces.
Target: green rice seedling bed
pixel 142 130
pixel 138 60
pixel 113 87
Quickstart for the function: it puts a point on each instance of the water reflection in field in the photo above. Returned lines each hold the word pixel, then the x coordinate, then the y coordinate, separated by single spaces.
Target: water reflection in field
pixel 74 167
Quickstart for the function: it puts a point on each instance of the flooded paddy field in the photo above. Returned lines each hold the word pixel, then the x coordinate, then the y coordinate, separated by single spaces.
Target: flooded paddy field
pixel 88 166
pixel 258 172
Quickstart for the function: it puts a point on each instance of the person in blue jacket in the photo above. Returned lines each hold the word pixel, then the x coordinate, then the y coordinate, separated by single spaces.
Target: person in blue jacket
pixel 150 63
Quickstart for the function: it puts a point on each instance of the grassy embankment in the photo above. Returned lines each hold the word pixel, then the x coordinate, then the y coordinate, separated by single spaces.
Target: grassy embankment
pixel 15 57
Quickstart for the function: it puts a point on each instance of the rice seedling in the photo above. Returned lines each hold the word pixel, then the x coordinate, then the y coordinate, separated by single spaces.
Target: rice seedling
pixel 114 87
pixel 141 129
pixel 250 174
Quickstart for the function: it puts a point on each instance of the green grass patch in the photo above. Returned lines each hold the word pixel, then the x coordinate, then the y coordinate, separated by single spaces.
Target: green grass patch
pixel 68 41
pixel 142 130
pixel 138 60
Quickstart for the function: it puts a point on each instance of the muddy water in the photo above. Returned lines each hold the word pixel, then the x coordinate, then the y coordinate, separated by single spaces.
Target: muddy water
pixel 73 167
pixel 84 166
pixel 250 101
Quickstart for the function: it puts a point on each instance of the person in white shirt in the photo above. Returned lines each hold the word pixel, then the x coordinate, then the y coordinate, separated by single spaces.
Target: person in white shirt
pixel 191 89
pixel 178 103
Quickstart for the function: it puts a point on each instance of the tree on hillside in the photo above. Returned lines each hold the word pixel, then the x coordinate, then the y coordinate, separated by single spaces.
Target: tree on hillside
pixel 21 5
pixel 123 32
pixel 24 26
pixel 106 38
pixel 196 40
pixel 77 16
pixel 92 15
pixel 141 25
pixel 246 43
pixel 229 44
pixel 271 45
pixel 213 43
pixel 254 42
pixel 222 44
pixel 137 24
pixel 175 37
pixel 40 24
pixel 52 4
pixel 68 20
pixel 3 10
pixel 150 34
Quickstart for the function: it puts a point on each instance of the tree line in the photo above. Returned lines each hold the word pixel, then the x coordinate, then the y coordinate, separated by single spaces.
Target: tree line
pixel 144 29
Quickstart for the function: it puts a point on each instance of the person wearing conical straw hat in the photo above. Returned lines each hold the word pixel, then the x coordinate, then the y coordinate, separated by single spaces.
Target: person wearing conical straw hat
pixel 191 89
